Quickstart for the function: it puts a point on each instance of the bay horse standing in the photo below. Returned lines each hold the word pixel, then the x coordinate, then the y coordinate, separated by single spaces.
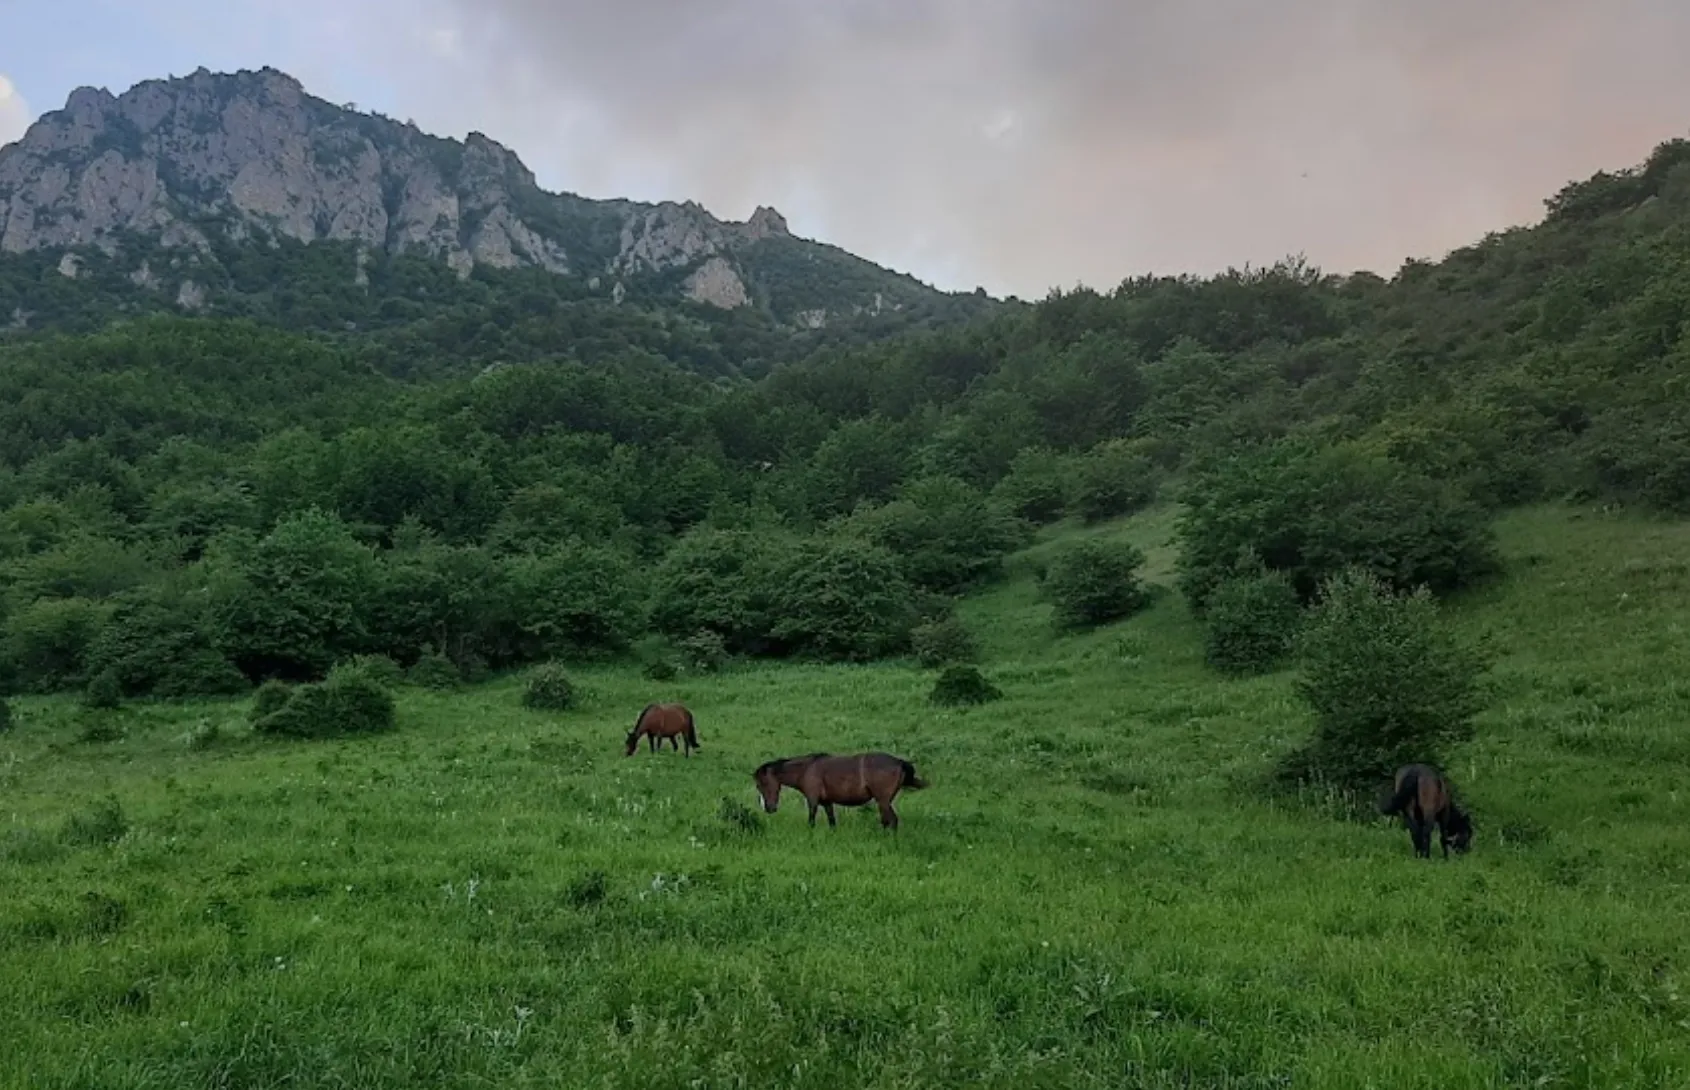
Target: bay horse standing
pixel 664 721
pixel 1423 796
pixel 826 781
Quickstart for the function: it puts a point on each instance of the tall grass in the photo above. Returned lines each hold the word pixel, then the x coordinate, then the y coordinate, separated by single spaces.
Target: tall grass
pixel 1090 894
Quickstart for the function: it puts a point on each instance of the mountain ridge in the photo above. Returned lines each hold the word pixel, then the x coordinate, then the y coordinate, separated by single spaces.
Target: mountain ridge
pixel 252 157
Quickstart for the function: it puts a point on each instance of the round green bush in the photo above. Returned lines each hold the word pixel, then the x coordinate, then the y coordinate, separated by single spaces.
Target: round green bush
pixel 201 673
pixel 704 651
pixel 943 643
pixel 103 691
pixel 378 668
pixel 342 706
pixel 549 689
pixel 1252 623
pixel 1114 478
pixel 959 685
pixel 1388 680
pixel 661 670
pixel 269 698
pixel 1093 582
pixel 434 671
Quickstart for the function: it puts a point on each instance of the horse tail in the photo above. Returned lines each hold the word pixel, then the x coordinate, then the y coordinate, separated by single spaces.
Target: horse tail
pixel 911 780
pixel 1397 801
pixel 692 728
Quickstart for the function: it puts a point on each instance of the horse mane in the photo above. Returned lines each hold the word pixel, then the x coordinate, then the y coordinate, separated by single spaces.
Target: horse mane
pixel 780 763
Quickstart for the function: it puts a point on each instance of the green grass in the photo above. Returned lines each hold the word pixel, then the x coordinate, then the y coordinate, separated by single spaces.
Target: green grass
pixel 1086 896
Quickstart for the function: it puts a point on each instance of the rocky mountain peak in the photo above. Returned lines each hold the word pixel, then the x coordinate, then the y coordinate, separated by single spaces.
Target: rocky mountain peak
pixel 767 223
pixel 186 163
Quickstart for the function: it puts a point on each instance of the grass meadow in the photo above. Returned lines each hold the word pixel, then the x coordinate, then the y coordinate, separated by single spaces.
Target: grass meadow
pixel 1089 895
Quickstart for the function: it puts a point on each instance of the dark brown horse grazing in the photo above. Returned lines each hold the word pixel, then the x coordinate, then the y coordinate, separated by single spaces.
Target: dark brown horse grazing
pixel 826 781
pixel 1422 795
pixel 660 721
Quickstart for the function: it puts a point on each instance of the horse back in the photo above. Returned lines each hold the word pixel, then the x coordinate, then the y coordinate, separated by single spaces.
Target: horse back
pixel 857 776
pixel 666 718
pixel 1427 790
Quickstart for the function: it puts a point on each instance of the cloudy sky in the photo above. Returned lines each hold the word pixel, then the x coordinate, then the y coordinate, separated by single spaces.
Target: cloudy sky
pixel 1014 144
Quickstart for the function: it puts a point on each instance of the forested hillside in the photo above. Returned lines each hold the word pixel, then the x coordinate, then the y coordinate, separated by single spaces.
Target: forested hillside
pixel 191 504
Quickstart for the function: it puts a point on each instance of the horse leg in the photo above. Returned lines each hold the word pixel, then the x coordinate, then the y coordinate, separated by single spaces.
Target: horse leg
pixel 832 822
pixel 812 804
pixel 888 816
pixel 1421 832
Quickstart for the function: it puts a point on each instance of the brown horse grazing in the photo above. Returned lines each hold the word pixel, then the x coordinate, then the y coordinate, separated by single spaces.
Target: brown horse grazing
pixel 660 721
pixel 826 781
pixel 1422 795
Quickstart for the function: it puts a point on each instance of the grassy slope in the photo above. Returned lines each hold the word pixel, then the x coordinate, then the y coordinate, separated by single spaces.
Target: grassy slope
pixel 1081 899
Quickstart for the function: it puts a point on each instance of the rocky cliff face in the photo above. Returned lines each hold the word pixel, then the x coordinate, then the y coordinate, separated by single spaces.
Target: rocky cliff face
pixel 253 156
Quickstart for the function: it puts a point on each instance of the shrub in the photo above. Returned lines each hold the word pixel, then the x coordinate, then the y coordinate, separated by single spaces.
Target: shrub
pixel 1252 623
pixel 578 601
pixel 959 685
pixel 704 651
pixel 661 669
pixel 1114 478
pixel 1310 513
pixel 293 601
pixel 945 534
pixel 202 673
pixel 1094 582
pixel 269 698
pixel 1036 488
pixel 549 689
pixel 1388 683
pixel 841 599
pixel 156 643
pixel 103 691
pixel 46 643
pixel 433 671
pixel 943 642
pixel 738 817
pixel 5 715
pixel 378 668
pixel 342 706
pixel 717 581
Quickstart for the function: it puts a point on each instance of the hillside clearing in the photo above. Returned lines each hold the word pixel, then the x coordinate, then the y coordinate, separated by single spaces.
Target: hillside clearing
pixel 1084 897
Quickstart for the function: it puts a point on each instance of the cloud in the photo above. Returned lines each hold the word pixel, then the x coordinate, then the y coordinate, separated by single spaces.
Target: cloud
pixel 14 112
pixel 1022 144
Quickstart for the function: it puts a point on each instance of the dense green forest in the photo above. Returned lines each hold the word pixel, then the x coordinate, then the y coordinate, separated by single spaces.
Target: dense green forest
pixel 413 317
pixel 493 473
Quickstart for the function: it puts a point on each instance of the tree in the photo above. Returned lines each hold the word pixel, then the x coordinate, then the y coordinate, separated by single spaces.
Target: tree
pixel 1388 681
pixel 1252 621
pixel 292 603
pixel 1112 479
pixel 840 599
pixel 1312 511
pixel 949 538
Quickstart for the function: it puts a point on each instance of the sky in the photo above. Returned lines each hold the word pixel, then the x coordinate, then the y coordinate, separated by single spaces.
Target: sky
pixel 1017 145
